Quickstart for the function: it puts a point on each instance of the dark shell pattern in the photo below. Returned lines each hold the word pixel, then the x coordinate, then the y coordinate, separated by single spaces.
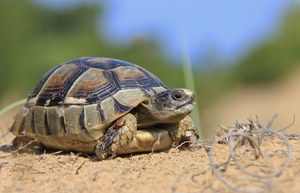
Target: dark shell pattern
pixel 76 101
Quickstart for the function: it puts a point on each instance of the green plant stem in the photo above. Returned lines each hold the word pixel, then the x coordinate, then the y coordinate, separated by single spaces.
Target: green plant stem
pixel 189 82
pixel 12 106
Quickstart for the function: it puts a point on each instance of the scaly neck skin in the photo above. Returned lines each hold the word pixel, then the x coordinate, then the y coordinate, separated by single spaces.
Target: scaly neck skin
pixel 147 117
pixel 144 116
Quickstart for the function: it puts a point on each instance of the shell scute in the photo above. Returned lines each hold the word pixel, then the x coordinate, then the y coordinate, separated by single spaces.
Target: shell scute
pixel 87 84
pixel 105 63
pixel 58 84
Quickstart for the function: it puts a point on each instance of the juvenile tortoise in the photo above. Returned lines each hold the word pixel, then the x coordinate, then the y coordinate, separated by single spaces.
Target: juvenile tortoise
pixel 107 107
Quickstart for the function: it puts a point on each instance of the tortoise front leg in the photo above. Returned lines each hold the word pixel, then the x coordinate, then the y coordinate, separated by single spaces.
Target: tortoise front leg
pixel 124 138
pixel 118 135
pixel 183 131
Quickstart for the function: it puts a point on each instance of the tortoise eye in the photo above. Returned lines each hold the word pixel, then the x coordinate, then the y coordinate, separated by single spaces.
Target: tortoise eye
pixel 177 96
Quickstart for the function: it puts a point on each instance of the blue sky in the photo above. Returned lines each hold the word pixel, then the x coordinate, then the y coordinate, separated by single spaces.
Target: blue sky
pixel 230 28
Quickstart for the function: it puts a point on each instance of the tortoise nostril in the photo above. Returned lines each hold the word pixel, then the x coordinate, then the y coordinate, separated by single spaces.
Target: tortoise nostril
pixel 193 97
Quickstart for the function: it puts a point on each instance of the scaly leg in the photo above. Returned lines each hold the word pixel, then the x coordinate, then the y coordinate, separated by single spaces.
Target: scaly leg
pixel 124 138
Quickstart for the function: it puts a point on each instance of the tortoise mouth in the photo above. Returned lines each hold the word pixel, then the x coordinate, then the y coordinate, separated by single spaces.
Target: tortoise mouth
pixel 185 109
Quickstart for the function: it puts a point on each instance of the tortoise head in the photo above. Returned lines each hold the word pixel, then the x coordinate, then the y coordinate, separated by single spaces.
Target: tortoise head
pixel 170 106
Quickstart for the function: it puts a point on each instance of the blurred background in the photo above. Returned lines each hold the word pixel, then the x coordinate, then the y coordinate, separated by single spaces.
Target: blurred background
pixel 245 55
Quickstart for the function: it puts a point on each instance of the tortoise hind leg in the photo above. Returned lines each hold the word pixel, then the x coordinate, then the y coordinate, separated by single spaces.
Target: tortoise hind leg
pixel 23 144
pixel 124 138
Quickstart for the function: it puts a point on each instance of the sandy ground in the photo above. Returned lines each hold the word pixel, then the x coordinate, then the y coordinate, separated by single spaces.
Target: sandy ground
pixel 178 170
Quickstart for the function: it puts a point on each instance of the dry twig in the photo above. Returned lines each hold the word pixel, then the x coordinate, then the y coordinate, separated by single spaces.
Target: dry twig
pixel 249 135
pixel 80 166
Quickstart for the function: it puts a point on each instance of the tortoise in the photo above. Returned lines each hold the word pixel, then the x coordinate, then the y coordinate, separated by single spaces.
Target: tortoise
pixel 104 106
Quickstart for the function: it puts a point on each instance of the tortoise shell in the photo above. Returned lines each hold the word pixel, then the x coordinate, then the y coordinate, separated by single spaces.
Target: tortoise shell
pixel 76 101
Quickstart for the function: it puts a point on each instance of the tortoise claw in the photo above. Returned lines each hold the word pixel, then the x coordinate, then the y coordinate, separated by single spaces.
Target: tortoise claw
pixel 105 149
pixel 119 134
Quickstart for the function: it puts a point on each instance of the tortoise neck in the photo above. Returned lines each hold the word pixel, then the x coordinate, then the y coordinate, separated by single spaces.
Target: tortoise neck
pixel 144 117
